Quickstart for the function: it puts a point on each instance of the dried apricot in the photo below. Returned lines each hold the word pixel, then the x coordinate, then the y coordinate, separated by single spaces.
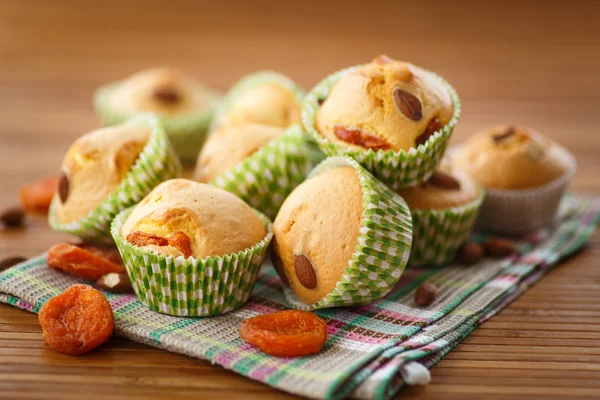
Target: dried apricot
pixel 361 138
pixel 37 196
pixel 85 261
pixel 179 240
pixel 287 333
pixel 77 321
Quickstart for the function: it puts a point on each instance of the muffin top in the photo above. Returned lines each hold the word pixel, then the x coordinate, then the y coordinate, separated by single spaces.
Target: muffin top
pixel 385 105
pixel 230 145
pixel 317 228
pixel 163 91
pixel 94 167
pixel 183 217
pixel 509 157
pixel 268 103
pixel 446 188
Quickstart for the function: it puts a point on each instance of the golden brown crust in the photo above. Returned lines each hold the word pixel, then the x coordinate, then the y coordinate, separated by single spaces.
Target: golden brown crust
pixel 216 222
pixel 506 157
pixel 317 230
pixel 95 165
pixel 435 194
pixel 268 104
pixel 230 145
pixel 392 100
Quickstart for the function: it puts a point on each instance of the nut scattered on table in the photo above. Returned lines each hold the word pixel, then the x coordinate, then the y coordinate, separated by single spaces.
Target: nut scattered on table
pixel 13 217
pixel 498 247
pixel 470 253
pixel 8 262
pixel 426 294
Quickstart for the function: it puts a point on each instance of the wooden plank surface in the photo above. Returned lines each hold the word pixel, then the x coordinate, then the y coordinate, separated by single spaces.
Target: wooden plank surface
pixel 534 63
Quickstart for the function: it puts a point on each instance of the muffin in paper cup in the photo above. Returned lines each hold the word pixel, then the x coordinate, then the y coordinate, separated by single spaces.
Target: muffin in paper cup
pixel 525 176
pixel 186 130
pixel 156 163
pixel 383 247
pixel 516 212
pixel 437 234
pixel 397 169
pixel 189 287
pixel 266 178
pixel 267 105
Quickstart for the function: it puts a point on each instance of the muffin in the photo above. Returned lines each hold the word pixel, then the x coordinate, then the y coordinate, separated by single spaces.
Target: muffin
pixel 259 163
pixel 107 170
pixel 341 237
pixel 393 117
pixel 524 173
pixel 192 249
pixel 443 209
pixel 211 221
pixel 266 98
pixel 183 104
pixel 229 146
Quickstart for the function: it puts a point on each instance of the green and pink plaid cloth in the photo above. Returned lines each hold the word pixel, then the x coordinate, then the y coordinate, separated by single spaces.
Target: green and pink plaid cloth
pixel 372 350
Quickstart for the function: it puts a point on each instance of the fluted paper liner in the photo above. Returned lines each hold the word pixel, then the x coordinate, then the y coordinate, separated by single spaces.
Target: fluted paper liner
pixel 249 82
pixel 397 169
pixel 157 163
pixel 186 131
pixel 437 234
pixel 268 176
pixel 383 247
pixel 189 287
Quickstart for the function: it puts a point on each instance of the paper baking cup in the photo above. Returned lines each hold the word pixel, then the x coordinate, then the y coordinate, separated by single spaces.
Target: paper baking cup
pixel 514 212
pixel 156 163
pixel 437 234
pixel 268 176
pixel 383 247
pixel 397 169
pixel 186 132
pixel 248 83
pixel 189 287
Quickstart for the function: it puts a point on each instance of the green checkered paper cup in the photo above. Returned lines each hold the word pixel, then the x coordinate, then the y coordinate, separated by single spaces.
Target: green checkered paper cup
pixel 189 287
pixel 383 247
pixel 437 234
pixel 397 169
pixel 157 163
pixel 248 83
pixel 268 176
pixel 186 131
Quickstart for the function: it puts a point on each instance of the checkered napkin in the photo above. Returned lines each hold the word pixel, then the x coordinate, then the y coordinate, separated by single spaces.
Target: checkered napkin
pixel 372 349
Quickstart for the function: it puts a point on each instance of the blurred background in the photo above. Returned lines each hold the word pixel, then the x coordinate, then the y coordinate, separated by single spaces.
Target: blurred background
pixel 535 63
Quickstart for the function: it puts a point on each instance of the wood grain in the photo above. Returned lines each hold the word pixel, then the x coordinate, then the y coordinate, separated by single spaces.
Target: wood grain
pixel 533 63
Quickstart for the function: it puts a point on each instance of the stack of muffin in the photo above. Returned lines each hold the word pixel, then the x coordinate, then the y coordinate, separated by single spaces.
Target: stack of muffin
pixel 343 230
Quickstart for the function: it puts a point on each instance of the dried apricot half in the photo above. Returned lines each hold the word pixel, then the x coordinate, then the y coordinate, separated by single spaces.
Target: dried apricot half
pixel 85 261
pixel 287 333
pixel 37 196
pixel 77 321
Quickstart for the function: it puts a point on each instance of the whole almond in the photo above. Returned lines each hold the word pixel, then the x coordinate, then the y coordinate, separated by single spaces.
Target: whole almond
pixel 8 262
pixel 115 282
pixel 278 265
pixel 408 104
pixel 166 95
pixel 498 247
pixel 305 272
pixel 63 187
pixel 12 217
pixel 444 181
pixel 426 294
pixel 469 253
pixel 508 132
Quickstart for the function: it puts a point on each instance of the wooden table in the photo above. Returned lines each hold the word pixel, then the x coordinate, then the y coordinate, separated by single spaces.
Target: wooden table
pixel 536 64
